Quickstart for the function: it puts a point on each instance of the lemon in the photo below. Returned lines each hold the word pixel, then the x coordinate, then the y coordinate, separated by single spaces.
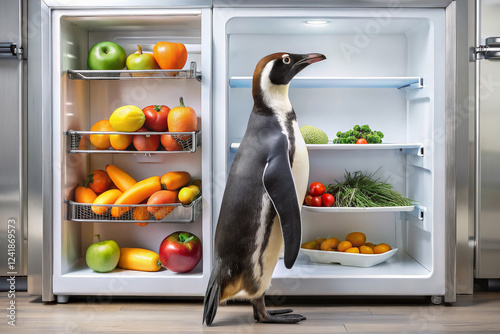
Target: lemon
pixel 127 118
pixel 188 194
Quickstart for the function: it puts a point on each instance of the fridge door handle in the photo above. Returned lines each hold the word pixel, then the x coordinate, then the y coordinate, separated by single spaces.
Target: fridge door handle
pixel 491 49
pixel 10 50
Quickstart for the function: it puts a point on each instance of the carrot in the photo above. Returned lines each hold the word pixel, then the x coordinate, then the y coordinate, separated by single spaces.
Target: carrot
pixel 107 197
pixel 139 259
pixel 175 180
pixel 136 194
pixel 121 179
pixel 84 195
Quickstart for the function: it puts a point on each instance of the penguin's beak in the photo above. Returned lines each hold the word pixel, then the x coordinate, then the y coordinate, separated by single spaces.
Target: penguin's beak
pixel 310 58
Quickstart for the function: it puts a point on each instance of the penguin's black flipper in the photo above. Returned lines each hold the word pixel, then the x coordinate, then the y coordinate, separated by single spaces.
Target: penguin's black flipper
pixel 280 186
pixel 211 301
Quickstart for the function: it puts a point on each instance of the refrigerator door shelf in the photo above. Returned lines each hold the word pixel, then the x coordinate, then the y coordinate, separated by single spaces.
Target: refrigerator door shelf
pixel 82 212
pixel 191 73
pixel 340 82
pixel 78 141
pixel 406 148
pixel 358 210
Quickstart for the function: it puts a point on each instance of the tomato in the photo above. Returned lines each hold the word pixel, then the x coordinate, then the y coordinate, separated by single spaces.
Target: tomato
pixel 316 189
pixel 170 56
pixel 316 201
pixel 156 117
pixel 327 199
pixel 98 181
pixel 308 199
pixel 146 143
pixel 361 141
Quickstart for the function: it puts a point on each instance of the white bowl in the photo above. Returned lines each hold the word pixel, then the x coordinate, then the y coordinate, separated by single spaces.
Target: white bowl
pixel 348 259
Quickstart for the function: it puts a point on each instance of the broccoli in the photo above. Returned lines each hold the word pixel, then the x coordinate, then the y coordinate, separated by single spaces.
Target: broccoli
pixel 339 134
pixel 356 128
pixel 380 134
pixel 365 128
pixel 376 139
pixel 351 140
pixel 356 134
pixel 370 138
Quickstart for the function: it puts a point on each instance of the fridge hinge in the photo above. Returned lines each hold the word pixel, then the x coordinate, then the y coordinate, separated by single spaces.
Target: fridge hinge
pixel 11 50
pixel 491 50
pixel 418 211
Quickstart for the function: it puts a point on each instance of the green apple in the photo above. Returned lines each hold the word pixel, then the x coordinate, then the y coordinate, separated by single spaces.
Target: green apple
pixel 106 56
pixel 141 61
pixel 103 256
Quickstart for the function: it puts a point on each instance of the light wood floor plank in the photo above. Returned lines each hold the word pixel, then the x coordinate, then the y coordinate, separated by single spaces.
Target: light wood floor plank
pixel 470 314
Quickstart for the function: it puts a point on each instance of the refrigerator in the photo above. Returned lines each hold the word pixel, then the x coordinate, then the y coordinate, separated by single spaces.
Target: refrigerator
pixel 404 68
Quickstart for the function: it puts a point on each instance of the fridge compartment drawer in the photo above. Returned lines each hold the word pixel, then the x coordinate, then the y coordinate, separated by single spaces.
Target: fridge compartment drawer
pixel 79 141
pixel 191 73
pixel 82 212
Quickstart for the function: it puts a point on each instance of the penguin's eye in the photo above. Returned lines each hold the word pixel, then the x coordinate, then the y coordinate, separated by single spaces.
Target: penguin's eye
pixel 286 60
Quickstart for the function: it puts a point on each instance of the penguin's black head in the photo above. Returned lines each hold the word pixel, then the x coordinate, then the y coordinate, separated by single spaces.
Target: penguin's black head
pixel 280 68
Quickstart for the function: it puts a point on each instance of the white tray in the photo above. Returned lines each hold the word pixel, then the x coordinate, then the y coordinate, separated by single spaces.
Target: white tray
pixel 348 259
pixel 358 209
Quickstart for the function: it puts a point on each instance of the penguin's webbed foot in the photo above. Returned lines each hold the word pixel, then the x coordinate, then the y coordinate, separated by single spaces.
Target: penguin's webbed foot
pixel 282 316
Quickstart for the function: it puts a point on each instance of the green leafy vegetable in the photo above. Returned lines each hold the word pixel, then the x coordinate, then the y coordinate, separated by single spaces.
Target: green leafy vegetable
pixel 357 132
pixel 360 189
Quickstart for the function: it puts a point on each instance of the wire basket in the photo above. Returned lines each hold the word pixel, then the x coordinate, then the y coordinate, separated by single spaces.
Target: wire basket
pixel 137 213
pixel 79 141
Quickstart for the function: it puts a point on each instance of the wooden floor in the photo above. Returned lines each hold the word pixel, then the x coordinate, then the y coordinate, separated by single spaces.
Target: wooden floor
pixel 478 313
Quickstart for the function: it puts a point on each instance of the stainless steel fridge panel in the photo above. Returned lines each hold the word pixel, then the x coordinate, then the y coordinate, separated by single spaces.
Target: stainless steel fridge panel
pixel 11 134
pixel 488 153
pixel 333 3
pixel 39 164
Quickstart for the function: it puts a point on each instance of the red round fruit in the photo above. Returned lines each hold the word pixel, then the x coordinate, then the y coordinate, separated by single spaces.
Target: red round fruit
pixel 308 199
pixel 316 189
pixel 146 143
pixel 327 199
pixel 316 201
pixel 361 141
pixel 180 252
pixel 156 117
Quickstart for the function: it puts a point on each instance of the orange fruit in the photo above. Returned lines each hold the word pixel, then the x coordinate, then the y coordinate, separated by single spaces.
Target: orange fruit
pixel 365 249
pixel 370 244
pixel 356 238
pixel 310 245
pixel 329 244
pixel 101 141
pixel 352 250
pixel 343 246
pixel 381 248
pixel 120 142
pixel 170 143
pixel 319 240
pixel 182 119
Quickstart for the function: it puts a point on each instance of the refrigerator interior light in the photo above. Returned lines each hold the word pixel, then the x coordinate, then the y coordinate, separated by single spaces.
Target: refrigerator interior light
pixel 317 22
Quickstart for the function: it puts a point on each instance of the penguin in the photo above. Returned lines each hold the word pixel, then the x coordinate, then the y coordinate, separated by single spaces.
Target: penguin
pixel 266 185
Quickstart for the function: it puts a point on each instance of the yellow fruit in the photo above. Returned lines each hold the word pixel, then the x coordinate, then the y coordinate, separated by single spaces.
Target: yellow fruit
pixel 188 194
pixel 310 245
pixel 352 250
pixel 370 244
pixel 127 118
pixel 365 250
pixel 101 141
pixel 197 183
pixel 343 246
pixel 330 244
pixel 120 142
pixel 381 248
pixel 356 238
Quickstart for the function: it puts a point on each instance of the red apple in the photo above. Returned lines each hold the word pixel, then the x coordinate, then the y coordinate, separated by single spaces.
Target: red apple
pixel 156 117
pixel 146 143
pixel 180 252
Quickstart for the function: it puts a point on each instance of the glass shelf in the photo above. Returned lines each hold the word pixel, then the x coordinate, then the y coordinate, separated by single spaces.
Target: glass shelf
pixel 412 148
pixel 79 141
pixel 190 73
pixel 358 210
pixel 339 82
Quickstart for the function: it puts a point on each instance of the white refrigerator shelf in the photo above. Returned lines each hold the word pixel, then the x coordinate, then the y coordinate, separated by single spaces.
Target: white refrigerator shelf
pixel 191 73
pixel 332 209
pixel 79 141
pixel 339 82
